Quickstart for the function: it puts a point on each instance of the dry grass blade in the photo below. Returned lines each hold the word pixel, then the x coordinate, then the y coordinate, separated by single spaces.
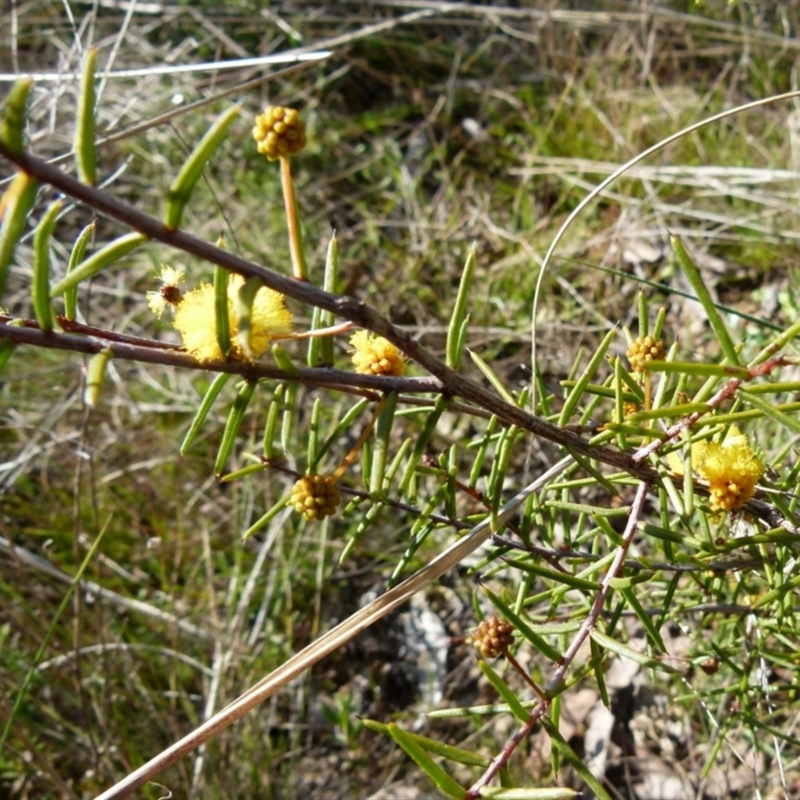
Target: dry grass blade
pixel 329 642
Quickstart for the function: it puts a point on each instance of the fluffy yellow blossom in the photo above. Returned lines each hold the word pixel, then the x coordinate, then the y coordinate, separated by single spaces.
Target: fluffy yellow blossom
pixel 194 320
pixel 279 132
pixel 170 293
pixel 730 467
pixel 375 355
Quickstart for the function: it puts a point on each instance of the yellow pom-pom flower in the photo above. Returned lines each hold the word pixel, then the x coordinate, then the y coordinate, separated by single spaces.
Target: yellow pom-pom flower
pixel 730 467
pixel 315 497
pixel 170 293
pixel 279 132
pixel 194 320
pixel 374 355
pixel 643 350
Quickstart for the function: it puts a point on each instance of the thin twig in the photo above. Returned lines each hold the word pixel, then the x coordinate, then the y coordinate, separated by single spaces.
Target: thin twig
pixel 346 307
pixel 588 625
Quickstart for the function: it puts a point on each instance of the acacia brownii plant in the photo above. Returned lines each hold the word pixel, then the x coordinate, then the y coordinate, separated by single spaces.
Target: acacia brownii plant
pixel 649 465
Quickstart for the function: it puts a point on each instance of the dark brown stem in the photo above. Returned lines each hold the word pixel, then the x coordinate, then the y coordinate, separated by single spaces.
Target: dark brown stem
pixel 346 307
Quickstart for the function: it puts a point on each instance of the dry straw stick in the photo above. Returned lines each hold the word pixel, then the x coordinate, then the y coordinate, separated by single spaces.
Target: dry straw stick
pixel 328 642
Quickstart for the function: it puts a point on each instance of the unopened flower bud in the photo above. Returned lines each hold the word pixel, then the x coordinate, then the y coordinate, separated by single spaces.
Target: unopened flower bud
pixel 315 497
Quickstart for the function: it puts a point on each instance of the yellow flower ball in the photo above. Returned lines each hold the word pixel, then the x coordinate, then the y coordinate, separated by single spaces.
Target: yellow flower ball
pixel 315 497
pixel 194 320
pixel 643 350
pixel 731 469
pixel 279 132
pixel 375 355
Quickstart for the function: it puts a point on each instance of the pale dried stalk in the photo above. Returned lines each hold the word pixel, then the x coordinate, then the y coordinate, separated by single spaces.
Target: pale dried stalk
pixel 328 642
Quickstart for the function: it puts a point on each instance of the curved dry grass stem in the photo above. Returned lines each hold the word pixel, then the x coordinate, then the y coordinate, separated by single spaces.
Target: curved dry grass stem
pixel 603 185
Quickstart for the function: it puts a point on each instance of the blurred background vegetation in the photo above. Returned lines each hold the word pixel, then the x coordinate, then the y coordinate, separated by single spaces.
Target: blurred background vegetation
pixel 478 123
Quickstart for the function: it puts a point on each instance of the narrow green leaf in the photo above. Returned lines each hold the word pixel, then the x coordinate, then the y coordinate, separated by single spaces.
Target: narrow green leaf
pixel 284 360
pixel 110 254
pixel 190 173
pixel 560 743
pixel 42 306
pixel 383 434
pixel 599 675
pixel 556 793
pixel 624 651
pixel 703 295
pixel 480 457
pixel 233 424
pixel 504 690
pixel 19 199
pixel 555 717
pixel 202 412
pixel 500 467
pixel 321 348
pixel 287 419
pixel 698 368
pixel 565 578
pixel 492 377
pixel 244 312
pixel 268 517
pixel 85 132
pixel 75 258
pixel 366 522
pixel 336 435
pixel 450 752
pixel 440 778
pixel 12 122
pixel 455 333
pixel 95 374
pixel 644 317
pixel 222 318
pixel 422 442
pixel 644 618
pixel 778 343
pixel 668 412
pixel 238 474
pixel 769 410
pixel 271 424
pixel 575 396
pixel 313 431
pixel 6 350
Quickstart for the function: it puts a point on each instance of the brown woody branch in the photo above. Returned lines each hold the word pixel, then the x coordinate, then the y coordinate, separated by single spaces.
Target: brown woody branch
pixel 345 307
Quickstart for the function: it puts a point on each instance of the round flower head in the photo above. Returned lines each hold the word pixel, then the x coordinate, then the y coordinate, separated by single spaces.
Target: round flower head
pixel 375 355
pixel 194 320
pixel 731 469
pixel 315 497
pixel 279 132
pixel 493 637
pixel 643 350
pixel 170 293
